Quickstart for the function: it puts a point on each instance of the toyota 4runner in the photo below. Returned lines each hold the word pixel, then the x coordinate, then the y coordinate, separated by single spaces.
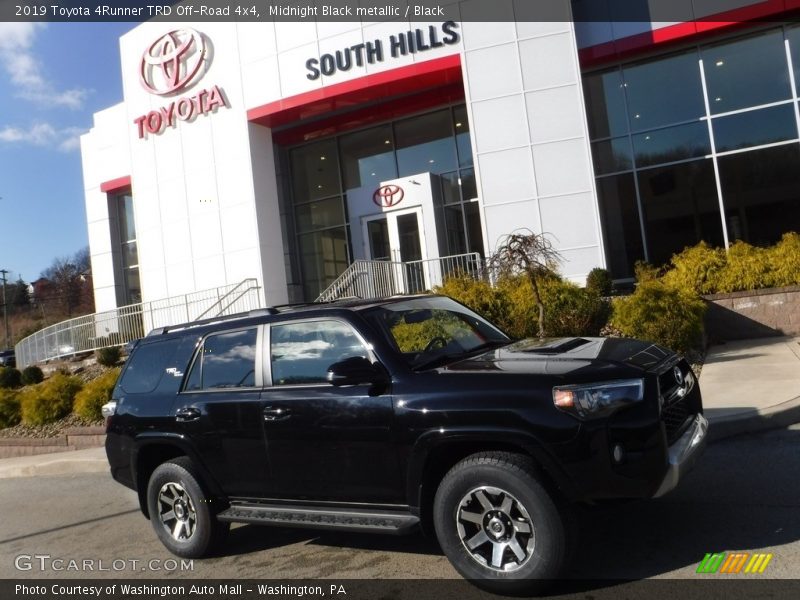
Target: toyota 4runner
pixel 385 416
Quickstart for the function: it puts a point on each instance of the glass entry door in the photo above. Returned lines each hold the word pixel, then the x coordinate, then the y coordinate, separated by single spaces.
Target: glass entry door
pixel 398 237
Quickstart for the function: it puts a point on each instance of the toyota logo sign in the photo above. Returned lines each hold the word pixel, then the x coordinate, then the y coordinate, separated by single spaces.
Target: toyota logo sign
pixel 388 196
pixel 173 61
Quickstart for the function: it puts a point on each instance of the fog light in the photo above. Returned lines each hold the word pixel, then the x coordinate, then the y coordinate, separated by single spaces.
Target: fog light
pixel 618 453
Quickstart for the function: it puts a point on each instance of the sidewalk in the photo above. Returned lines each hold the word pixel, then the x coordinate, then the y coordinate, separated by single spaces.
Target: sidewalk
pixel 91 460
pixel 751 385
pixel 747 386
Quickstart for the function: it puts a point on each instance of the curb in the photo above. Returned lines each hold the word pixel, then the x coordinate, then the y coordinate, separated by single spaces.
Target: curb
pixel 755 420
pixel 59 463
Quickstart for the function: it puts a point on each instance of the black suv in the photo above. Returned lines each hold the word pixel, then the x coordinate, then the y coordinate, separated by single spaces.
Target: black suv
pixel 7 358
pixel 387 415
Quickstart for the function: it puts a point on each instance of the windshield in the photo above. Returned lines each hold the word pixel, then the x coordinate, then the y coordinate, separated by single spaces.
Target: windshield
pixel 431 331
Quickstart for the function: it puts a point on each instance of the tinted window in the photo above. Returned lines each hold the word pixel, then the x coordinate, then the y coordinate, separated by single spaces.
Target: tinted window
pixel 665 91
pixel 147 365
pixel 425 143
pixel 605 104
pixel 756 127
pixel 671 144
pixel 303 352
pixel 621 228
pixel 681 207
pixel 227 360
pixel 747 72
pixel 762 193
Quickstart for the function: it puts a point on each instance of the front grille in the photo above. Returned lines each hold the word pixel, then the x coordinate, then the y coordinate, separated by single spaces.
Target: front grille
pixel 674 417
pixel 675 411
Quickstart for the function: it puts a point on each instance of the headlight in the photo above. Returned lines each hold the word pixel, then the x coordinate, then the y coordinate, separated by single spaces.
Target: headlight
pixel 593 400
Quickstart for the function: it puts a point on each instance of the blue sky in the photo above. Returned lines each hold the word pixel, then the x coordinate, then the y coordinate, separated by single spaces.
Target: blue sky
pixel 53 77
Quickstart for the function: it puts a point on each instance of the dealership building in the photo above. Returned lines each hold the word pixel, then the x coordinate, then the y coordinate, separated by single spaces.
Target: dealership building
pixel 283 152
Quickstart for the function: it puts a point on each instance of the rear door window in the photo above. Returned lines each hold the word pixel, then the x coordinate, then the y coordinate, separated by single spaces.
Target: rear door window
pixel 147 366
pixel 226 360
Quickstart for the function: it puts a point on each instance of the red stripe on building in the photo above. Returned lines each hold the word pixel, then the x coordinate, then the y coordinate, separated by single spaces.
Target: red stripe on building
pixel 116 185
pixel 374 97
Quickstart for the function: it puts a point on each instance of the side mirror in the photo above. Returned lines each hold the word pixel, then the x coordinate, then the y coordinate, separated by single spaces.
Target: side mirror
pixel 355 370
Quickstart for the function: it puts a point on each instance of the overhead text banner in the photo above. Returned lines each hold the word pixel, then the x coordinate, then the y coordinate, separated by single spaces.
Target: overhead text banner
pixel 640 11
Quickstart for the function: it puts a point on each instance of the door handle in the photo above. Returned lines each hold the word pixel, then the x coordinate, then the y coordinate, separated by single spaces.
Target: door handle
pixel 272 413
pixel 186 414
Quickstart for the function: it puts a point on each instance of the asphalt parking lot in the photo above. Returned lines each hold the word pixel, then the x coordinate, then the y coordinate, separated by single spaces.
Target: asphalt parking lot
pixel 743 496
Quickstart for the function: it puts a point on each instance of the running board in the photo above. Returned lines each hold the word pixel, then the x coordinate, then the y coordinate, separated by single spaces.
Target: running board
pixel 372 521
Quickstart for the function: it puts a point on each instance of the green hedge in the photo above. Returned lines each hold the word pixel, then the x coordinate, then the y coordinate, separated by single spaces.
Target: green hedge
pixel 661 313
pixel 9 408
pixel 707 270
pixel 10 378
pixel 108 357
pixel 95 394
pixel 50 400
pixel 569 309
pixel 32 375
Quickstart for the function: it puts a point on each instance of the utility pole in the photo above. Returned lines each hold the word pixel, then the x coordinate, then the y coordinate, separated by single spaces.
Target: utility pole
pixel 3 272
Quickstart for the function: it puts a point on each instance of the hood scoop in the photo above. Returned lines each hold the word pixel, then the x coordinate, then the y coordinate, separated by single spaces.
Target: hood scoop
pixel 549 346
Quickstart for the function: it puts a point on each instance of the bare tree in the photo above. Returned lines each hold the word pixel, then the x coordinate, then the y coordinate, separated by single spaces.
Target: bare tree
pixel 523 252
pixel 69 276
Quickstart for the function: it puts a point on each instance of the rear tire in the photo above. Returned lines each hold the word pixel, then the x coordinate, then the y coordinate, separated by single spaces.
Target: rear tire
pixel 181 512
pixel 499 526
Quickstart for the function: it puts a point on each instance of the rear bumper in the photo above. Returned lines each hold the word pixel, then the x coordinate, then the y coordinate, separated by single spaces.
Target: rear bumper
pixel 683 454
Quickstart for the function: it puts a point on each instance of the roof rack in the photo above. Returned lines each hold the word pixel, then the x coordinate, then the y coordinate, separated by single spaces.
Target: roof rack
pixel 258 312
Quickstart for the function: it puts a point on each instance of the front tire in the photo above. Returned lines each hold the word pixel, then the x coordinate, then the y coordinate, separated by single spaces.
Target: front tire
pixel 181 512
pixel 498 525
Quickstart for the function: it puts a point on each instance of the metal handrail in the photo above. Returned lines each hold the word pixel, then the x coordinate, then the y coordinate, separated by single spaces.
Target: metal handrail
pixel 249 282
pixel 380 278
pixel 119 326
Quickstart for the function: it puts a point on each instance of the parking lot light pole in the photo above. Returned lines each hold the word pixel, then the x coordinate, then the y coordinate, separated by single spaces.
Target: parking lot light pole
pixel 5 307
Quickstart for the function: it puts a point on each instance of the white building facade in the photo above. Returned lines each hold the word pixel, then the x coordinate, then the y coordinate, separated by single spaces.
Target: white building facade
pixel 285 151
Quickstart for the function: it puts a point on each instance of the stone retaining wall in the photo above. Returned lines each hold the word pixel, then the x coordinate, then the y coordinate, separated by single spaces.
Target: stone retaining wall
pixel 76 438
pixel 753 314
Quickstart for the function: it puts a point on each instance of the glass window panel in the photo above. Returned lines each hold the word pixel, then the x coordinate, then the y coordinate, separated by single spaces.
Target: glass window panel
pixel 621 228
pixel 605 104
pixel 793 35
pixel 130 255
pixel 664 91
pixel 451 192
pixel 681 207
pixel 755 128
pixel 127 224
pixel 319 215
pixel 141 376
pixel 303 352
pixel 454 229
pixel 425 143
pixel 611 156
pixel 378 233
pixel 474 229
pixel 323 257
pixel 368 157
pixel 461 127
pixel 671 144
pixel 469 189
pixel 227 360
pixel 762 193
pixel 133 289
pixel 315 171
pixel 747 72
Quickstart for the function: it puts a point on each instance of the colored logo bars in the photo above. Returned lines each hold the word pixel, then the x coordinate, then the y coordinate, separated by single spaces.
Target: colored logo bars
pixel 733 563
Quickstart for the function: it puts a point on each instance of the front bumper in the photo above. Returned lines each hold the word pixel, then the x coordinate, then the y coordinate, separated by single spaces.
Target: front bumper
pixel 683 454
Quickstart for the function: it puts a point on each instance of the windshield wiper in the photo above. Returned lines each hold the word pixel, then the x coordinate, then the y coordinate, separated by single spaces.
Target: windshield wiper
pixel 444 358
